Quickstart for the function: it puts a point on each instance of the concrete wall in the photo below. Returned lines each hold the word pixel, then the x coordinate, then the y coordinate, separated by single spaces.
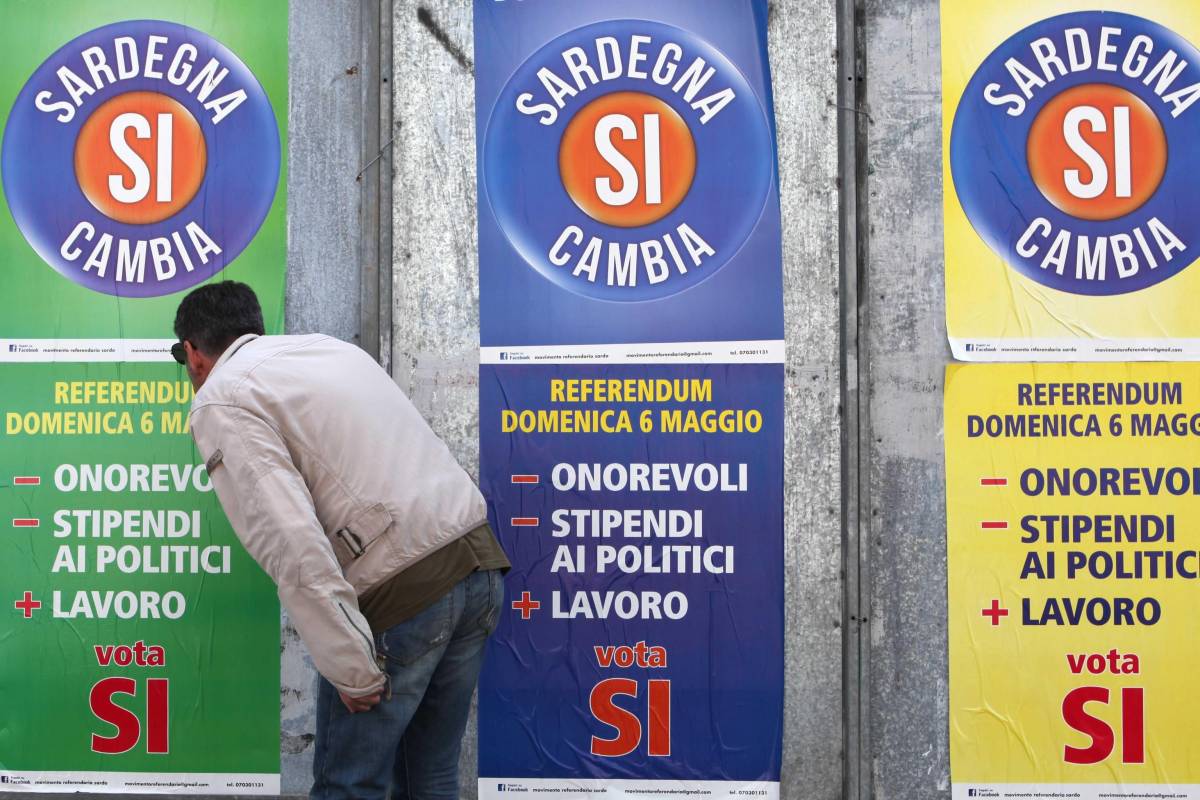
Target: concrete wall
pixel 324 158
pixel 435 286
pixel 906 353
pixel 802 38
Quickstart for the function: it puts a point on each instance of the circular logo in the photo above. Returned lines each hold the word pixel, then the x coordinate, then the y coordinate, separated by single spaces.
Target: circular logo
pixel 650 143
pixel 141 158
pixel 1073 148
pixel 627 160
pixel 1127 142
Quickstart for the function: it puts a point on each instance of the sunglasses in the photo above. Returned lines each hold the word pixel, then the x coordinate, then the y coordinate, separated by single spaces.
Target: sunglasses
pixel 179 353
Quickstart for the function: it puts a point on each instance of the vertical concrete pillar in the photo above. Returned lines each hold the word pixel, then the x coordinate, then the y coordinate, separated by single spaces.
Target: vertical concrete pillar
pixel 905 345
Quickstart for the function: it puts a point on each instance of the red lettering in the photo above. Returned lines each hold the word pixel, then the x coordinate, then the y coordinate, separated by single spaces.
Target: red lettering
pixel 104 654
pixel 605 710
pixel 1112 661
pixel 1133 735
pixel 157 657
pixel 127 723
pixel 129 728
pixel 652 656
pixel 604 655
pixel 123 655
pixel 158 715
pixel 1100 733
pixel 659 718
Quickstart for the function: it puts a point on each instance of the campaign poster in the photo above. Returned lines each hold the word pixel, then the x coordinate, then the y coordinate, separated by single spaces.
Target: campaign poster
pixel 631 398
pixel 1073 508
pixel 1071 142
pixel 141 641
pixel 143 153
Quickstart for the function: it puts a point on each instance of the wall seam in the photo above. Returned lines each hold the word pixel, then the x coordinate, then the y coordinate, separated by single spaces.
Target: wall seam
pixel 375 253
pixel 384 179
pixel 853 237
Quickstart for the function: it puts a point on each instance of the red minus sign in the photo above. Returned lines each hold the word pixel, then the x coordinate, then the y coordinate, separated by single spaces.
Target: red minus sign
pixel 525 522
pixel 26 523
pixel 27 480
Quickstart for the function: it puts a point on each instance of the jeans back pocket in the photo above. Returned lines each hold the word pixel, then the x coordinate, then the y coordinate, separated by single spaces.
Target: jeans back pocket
pixel 411 640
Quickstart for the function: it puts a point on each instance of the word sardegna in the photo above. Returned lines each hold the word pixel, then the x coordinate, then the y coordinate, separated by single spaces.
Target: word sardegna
pixel 645 177
pixel 166 123
pixel 1101 106
pixel 1139 58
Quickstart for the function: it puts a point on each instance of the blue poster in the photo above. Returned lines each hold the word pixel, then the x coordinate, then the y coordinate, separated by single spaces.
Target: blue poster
pixel 631 397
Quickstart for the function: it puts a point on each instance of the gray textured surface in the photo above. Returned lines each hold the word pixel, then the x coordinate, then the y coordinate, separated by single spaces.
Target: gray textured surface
pixel 802 42
pixel 435 286
pixel 323 264
pixel 436 321
pixel 906 345
pixel 323 160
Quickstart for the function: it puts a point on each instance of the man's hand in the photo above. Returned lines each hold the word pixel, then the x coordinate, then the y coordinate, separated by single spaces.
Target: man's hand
pixel 357 704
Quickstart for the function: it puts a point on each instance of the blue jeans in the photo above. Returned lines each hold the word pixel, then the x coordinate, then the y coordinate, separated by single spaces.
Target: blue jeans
pixel 410 742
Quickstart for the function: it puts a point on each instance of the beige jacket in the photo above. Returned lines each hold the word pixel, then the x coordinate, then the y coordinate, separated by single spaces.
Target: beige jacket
pixel 332 481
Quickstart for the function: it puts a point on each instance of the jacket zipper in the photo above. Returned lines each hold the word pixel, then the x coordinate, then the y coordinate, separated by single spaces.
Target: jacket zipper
pixel 387 679
pixel 370 641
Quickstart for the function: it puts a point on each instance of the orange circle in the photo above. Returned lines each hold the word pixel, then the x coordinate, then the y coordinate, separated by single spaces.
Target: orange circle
pixel 616 189
pixel 126 186
pixel 1066 178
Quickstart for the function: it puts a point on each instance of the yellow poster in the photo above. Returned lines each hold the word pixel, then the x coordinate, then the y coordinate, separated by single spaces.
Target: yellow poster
pixel 1071 166
pixel 1073 522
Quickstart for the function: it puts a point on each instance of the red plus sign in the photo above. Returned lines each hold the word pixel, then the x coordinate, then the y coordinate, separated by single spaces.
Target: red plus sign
pixel 995 612
pixel 526 606
pixel 28 605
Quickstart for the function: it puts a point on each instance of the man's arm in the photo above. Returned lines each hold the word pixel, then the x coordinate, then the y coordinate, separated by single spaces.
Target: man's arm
pixel 272 513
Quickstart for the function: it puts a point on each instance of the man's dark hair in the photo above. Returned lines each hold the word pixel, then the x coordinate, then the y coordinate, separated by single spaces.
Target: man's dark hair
pixel 213 316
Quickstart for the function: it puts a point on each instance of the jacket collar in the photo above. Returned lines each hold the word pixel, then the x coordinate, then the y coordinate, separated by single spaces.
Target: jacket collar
pixel 233 348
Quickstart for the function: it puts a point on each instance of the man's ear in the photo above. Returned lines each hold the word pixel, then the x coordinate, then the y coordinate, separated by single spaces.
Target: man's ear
pixel 198 364
pixel 196 359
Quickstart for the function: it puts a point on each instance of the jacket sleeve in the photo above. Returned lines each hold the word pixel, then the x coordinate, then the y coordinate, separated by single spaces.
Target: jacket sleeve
pixel 272 513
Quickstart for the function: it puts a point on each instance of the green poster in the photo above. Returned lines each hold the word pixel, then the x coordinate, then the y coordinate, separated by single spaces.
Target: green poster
pixel 141 641
pixel 143 155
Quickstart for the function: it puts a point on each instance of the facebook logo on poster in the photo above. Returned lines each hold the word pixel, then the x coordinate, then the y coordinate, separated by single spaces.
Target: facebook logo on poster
pixel 500 786
pixel 503 357
pixel 3 779
pixel 970 792
pixel 12 348
pixel 971 349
